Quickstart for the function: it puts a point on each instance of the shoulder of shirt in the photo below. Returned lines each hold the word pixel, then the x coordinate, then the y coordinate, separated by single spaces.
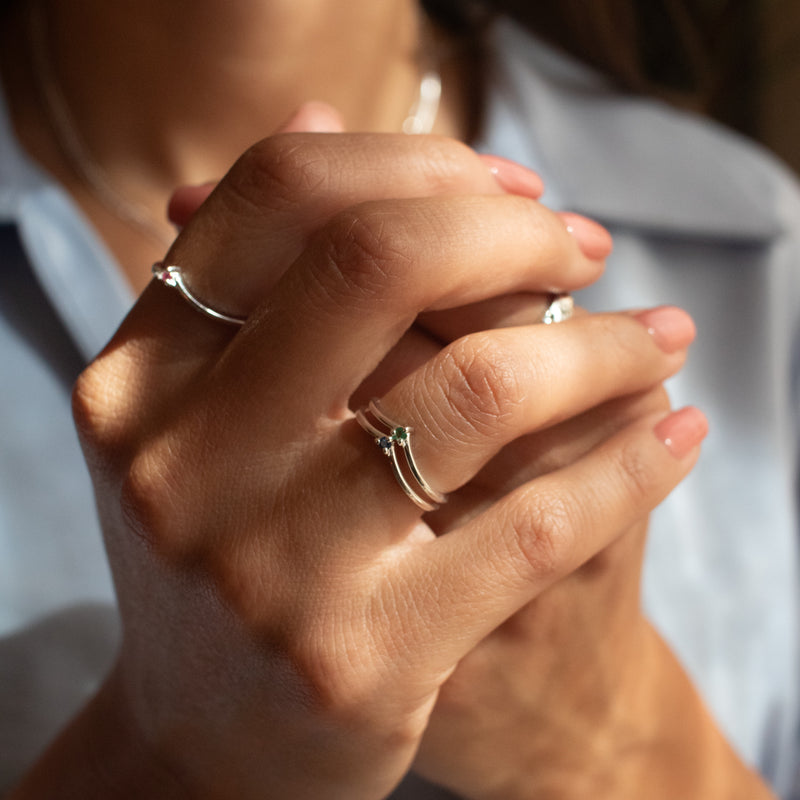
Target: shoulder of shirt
pixel 20 178
pixel 628 160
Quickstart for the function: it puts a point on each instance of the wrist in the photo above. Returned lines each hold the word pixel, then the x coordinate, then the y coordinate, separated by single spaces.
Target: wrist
pixel 653 737
pixel 675 748
pixel 100 755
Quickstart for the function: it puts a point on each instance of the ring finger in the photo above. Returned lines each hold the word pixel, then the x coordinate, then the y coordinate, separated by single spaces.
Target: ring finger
pixel 491 388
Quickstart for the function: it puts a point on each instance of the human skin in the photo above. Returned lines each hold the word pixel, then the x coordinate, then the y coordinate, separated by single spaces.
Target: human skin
pixel 576 694
pixel 288 618
pixel 166 94
pixel 110 726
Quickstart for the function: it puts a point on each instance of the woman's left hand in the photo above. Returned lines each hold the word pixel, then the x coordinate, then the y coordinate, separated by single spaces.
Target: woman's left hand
pixel 554 690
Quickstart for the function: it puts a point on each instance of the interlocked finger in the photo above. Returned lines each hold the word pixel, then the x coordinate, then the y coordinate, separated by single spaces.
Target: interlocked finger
pixel 364 279
pixel 259 218
pixel 499 561
pixel 449 418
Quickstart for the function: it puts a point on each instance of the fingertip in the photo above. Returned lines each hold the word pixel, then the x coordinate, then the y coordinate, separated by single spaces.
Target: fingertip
pixel 672 328
pixel 513 177
pixel 593 239
pixel 313 116
pixel 682 431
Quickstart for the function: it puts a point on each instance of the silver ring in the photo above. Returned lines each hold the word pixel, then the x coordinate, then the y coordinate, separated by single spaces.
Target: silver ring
pixel 560 306
pixel 395 439
pixel 173 277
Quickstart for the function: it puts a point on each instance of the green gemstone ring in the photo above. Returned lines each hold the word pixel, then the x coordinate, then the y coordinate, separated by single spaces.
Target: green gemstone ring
pixel 391 439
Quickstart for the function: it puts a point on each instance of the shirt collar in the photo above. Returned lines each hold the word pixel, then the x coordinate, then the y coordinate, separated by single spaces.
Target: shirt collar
pixel 72 265
pixel 623 159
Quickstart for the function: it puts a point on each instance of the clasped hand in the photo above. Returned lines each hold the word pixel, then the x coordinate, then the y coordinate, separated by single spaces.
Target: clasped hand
pixel 290 618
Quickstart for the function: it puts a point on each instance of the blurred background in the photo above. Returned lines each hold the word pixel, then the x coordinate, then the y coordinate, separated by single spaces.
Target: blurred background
pixel 779 101
pixel 736 60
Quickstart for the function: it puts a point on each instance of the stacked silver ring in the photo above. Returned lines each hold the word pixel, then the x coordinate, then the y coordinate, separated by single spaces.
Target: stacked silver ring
pixel 395 440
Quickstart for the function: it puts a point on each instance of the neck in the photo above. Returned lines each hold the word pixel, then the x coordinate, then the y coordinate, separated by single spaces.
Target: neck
pixel 184 87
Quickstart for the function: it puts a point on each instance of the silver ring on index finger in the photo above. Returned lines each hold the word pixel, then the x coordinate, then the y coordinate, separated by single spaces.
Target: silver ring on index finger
pixel 172 276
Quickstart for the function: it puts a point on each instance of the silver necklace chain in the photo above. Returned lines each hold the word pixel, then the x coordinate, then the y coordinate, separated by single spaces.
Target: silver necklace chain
pixel 72 145
pixel 420 120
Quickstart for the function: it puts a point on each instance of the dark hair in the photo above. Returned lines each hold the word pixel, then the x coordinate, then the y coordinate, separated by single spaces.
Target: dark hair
pixel 700 53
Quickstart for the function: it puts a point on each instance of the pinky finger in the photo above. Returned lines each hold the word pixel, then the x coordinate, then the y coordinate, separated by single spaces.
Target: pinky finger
pixel 544 530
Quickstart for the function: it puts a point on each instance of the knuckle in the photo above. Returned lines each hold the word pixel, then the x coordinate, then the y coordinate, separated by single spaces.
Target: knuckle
pixel 99 409
pixel 239 579
pixel 640 476
pixel 624 349
pixel 657 399
pixel 366 254
pixel 446 163
pixel 483 386
pixel 550 239
pixel 543 530
pixel 339 677
pixel 337 684
pixel 150 499
pixel 273 172
pixel 649 402
pixel 88 406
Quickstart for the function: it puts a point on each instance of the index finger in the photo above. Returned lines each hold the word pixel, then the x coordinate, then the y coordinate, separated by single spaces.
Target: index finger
pixel 261 215
pixel 259 218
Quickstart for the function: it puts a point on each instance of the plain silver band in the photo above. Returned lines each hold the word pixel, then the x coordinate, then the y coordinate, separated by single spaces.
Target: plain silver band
pixel 173 277
pixel 425 505
pixel 429 499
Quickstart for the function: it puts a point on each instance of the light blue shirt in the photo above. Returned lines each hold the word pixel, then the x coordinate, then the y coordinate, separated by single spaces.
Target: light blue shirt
pixel 700 218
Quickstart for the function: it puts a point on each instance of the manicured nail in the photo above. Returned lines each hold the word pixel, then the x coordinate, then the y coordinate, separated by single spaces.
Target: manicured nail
pixel 313 116
pixel 593 239
pixel 672 328
pixel 185 200
pixel 514 178
pixel 682 431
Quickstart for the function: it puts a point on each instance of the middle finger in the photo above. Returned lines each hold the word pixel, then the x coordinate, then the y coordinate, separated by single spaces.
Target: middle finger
pixel 368 274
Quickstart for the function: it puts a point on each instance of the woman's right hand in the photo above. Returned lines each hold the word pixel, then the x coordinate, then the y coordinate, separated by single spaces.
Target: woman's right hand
pixel 289 617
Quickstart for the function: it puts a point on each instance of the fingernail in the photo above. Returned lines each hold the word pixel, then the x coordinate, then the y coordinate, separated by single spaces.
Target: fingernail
pixel 682 431
pixel 593 239
pixel 194 186
pixel 185 200
pixel 313 116
pixel 513 177
pixel 672 328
